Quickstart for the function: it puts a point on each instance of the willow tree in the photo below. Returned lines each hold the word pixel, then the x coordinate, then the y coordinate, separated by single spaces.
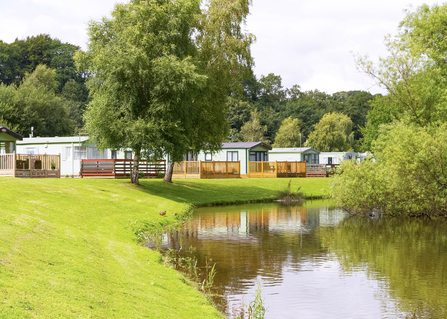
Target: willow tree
pixel 288 134
pixel 161 76
pixel 332 134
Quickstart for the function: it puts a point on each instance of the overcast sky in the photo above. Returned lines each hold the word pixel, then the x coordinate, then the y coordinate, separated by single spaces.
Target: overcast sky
pixel 309 43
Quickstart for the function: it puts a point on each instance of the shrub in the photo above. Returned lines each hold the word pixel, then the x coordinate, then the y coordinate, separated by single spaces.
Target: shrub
pixel 408 175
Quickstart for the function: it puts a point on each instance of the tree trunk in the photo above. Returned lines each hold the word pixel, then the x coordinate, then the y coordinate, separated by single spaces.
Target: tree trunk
pixel 136 164
pixel 169 171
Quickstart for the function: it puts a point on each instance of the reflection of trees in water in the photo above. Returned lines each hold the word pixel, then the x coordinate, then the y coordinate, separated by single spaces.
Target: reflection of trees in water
pixel 410 253
pixel 248 242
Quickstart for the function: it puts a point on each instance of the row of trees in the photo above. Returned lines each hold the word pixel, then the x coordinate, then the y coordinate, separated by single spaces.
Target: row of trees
pixel 264 109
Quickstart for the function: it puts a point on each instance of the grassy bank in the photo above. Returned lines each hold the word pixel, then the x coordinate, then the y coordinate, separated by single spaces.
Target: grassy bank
pixel 67 247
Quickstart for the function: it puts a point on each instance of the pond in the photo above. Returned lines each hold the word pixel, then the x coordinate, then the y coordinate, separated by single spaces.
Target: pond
pixel 313 261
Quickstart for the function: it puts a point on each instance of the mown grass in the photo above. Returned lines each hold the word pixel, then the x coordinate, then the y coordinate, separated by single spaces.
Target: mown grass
pixel 67 249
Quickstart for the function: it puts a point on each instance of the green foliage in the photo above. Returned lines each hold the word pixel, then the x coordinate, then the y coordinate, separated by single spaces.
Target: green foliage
pixel 332 134
pixel 161 83
pixel 289 197
pixel 256 308
pixel 23 56
pixel 252 131
pixel 414 73
pixel 407 177
pixel 35 104
pixel 288 134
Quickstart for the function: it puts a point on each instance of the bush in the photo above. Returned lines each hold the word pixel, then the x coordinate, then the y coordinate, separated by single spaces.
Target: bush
pixel 408 175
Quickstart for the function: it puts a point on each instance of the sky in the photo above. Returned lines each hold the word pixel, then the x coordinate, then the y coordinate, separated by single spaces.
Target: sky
pixel 310 43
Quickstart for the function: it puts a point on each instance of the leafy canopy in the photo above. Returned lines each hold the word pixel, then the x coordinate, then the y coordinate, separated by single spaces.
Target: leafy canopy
pixel 288 134
pixel 332 134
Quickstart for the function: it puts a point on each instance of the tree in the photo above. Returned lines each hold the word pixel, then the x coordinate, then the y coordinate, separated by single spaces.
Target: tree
pixel 288 134
pixel 163 70
pixel 332 133
pixel 414 73
pixel 252 131
pixel 35 104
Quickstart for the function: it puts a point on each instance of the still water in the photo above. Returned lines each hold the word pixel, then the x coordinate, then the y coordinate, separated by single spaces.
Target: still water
pixel 313 261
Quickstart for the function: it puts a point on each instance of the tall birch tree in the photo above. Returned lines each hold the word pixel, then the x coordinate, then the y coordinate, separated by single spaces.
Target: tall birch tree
pixel 162 70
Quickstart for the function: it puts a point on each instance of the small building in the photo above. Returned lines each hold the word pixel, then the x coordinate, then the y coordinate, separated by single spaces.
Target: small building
pixel 300 154
pixel 222 164
pixel 239 151
pixel 72 149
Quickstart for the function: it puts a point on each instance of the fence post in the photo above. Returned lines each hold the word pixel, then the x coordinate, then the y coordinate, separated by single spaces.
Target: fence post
pixel 214 169
pixel 248 169
pixel 200 169
pixel 239 168
pixel 14 163
pixel 276 169
pixel 226 169
pixel 184 167
pixel 262 168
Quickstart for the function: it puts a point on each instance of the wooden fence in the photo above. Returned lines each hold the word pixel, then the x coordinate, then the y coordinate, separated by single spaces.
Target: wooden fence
pixel 276 169
pixel 212 169
pixel 7 164
pixel 316 170
pixel 37 166
pixel 120 168
pixel 291 169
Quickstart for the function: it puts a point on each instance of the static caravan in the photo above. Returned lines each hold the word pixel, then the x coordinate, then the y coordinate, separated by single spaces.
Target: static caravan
pixel 230 162
pixel 239 151
pixel 335 158
pixel 72 150
pixel 303 154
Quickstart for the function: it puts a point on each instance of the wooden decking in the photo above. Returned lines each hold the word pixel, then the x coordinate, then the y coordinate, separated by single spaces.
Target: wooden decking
pixel 207 170
pixel 276 169
pixel 119 168
pixel 316 170
pixel 30 165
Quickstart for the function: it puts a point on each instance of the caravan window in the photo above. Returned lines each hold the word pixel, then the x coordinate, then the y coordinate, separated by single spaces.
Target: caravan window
pixel 94 153
pixel 258 157
pixel 80 152
pixel 232 156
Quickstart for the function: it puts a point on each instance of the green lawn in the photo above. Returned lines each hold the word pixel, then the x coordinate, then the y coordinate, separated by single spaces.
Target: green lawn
pixel 67 249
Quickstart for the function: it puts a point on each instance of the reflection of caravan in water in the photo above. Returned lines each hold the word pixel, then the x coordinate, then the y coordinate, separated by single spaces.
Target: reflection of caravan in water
pixel 249 223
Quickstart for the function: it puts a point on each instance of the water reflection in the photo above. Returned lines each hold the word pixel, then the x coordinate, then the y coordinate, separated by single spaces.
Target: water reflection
pixel 409 254
pixel 313 262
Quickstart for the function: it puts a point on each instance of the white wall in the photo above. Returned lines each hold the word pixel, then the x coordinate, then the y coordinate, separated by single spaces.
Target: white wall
pixel 337 157
pixel 285 157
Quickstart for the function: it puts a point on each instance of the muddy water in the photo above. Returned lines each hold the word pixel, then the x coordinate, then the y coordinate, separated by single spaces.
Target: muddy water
pixel 313 261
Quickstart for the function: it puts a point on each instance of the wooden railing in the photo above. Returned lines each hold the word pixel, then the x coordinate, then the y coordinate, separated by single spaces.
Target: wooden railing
pixel 30 165
pixel 291 169
pixel 276 169
pixel 316 170
pixel 38 166
pixel 120 167
pixel 262 169
pixel 7 164
pixel 220 169
pixel 212 169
